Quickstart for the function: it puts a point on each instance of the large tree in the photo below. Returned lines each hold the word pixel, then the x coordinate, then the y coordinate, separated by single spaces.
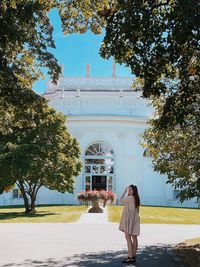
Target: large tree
pixel 159 41
pixel 36 149
pixel 175 151
pixel 25 38
pixel 36 154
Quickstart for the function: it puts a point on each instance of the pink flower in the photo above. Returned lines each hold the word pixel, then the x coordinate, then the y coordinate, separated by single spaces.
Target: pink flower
pixel 91 195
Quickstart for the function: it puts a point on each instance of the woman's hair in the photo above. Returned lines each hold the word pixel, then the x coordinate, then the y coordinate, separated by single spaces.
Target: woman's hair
pixel 136 195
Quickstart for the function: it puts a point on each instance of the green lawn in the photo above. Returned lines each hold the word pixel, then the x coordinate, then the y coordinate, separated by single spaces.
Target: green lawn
pixel 64 213
pixel 45 214
pixel 159 215
pixel 193 241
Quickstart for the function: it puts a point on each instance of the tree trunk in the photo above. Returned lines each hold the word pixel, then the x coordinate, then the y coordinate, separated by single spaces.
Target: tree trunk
pixel 26 202
pixel 33 199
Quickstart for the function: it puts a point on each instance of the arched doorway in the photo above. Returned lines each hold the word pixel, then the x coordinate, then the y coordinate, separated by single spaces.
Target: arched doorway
pixel 99 167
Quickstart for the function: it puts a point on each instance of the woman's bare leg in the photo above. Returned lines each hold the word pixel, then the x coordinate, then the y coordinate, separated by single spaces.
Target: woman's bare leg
pixel 135 245
pixel 130 245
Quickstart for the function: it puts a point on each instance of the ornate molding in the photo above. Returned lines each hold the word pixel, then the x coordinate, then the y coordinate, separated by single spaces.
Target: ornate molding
pixel 100 101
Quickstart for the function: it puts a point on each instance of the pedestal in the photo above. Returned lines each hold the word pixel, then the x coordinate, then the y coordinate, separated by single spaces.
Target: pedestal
pixel 95 207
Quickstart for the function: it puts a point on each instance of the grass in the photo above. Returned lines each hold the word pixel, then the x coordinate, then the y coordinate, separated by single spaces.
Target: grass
pixel 193 241
pixel 44 214
pixel 64 213
pixel 161 215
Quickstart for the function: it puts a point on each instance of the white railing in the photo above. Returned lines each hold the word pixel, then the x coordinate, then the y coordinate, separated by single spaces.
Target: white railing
pixel 90 83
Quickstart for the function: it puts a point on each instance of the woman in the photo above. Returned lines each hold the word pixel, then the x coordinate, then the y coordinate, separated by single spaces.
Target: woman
pixel 130 221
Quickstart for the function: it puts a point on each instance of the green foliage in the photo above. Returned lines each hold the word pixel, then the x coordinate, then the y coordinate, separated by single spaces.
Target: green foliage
pixel 40 153
pixel 25 36
pixel 159 41
pixel 35 148
pixel 176 150
pixel 82 15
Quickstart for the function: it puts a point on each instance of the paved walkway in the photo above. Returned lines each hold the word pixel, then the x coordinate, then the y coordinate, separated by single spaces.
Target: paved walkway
pixel 94 218
pixel 87 244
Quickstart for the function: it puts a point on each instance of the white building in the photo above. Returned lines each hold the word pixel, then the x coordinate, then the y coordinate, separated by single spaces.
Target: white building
pixel 108 118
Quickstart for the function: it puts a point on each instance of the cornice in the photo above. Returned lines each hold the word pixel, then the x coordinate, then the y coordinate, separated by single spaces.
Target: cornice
pixel 107 119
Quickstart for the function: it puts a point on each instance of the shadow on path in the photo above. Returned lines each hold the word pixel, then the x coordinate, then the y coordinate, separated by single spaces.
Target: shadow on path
pixel 150 256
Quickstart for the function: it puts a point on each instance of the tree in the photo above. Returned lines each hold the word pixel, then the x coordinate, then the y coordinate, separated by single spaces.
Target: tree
pixel 80 16
pixel 159 41
pixel 38 154
pixel 25 37
pixel 175 151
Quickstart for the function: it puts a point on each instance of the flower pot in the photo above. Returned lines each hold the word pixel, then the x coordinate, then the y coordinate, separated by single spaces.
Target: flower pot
pixel 95 207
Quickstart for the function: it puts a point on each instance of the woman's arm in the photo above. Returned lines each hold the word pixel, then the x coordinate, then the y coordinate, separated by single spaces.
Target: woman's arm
pixel 122 200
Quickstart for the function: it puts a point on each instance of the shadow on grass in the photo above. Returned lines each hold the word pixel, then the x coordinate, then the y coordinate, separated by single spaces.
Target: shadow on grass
pixel 150 256
pixel 16 215
pixel 38 205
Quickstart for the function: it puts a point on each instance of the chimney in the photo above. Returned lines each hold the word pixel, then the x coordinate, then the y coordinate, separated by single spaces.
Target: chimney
pixel 114 70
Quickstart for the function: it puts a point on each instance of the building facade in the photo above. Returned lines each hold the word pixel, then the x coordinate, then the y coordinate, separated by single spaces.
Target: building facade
pixel 108 119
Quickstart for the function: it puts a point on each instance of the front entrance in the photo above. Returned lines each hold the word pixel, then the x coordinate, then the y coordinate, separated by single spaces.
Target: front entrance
pixel 99 171
pixel 98 182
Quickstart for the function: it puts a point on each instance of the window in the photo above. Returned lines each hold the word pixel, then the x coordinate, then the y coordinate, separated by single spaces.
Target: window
pixel 99 166
pixel 102 169
pixel 87 169
pixel 16 193
pixel 99 149
pixel 176 192
pixel 110 178
pixel 87 182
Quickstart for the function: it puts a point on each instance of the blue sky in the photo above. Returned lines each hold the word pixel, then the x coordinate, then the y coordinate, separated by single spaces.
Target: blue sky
pixel 75 51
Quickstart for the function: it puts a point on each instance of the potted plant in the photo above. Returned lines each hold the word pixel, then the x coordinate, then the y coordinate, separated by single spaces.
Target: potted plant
pixel 94 196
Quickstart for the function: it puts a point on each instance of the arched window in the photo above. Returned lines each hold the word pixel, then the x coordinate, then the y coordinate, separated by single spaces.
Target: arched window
pixel 99 149
pixel 99 167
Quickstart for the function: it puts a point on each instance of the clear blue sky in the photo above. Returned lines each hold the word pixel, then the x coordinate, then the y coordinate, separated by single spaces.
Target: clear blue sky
pixel 75 51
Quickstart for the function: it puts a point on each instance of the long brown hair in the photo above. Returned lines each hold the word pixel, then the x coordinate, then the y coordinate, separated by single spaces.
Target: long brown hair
pixel 136 195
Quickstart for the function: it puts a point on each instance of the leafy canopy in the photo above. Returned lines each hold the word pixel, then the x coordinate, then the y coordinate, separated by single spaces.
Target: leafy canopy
pixel 38 154
pixel 159 41
pixel 175 151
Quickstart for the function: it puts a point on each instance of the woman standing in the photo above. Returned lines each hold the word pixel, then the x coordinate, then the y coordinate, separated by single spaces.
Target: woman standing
pixel 130 221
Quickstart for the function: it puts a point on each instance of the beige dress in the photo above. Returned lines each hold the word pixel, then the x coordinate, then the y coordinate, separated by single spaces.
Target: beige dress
pixel 130 220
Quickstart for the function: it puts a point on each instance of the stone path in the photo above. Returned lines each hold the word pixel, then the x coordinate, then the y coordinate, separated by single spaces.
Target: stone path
pixel 90 242
pixel 87 245
pixel 94 218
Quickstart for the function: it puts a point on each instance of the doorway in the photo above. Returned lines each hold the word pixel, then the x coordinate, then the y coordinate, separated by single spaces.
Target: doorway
pixel 99 182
